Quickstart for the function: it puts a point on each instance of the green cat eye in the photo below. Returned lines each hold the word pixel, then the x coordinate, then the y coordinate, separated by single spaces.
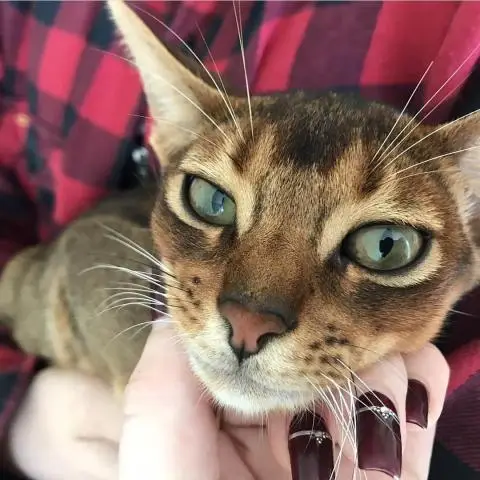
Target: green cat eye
pixel 384 247
pixel 210 203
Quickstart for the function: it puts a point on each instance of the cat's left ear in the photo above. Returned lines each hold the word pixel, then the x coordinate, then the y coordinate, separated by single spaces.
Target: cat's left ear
pixel 181 103
pixel 463 138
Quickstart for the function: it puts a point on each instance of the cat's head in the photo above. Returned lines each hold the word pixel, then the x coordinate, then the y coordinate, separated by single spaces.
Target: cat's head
pixel 301 243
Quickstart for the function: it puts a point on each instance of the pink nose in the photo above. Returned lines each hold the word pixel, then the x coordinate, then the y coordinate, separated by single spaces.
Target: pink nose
pixel 251 330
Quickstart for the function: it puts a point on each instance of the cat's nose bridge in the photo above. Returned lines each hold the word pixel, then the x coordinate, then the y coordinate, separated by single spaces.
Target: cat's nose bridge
pixel 265 270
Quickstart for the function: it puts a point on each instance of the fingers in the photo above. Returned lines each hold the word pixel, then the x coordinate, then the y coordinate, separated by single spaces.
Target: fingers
pixel 252 456
pixel 386 426
pixel 428 374
pixel 372 428
pixel 367 417
pixel 169 431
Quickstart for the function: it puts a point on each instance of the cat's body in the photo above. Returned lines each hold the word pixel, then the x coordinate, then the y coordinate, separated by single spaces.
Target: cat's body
pixel 298 242
pixel 58 306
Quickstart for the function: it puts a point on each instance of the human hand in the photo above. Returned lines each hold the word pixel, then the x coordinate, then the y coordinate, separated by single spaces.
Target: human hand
pixel 69 426
pixel 182 439
pixel 383 423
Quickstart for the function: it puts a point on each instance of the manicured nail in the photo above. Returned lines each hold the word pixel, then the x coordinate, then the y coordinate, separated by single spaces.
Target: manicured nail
pixel 417 404
pixel 378 435
pixel 311 448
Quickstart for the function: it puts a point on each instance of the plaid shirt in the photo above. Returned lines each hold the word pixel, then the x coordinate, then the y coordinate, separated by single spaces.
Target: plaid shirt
pixel 71 131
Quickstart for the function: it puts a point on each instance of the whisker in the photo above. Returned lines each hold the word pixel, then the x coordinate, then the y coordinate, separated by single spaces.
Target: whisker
pixel 335 408
pixel 346 435
pixel 112 304
pixel 123 294
pixel 126 330
pixel 185 44
pixel 353 396
pixel 358 379
pixel 130 295
pixel 132 287
pixel 432 159
pixel 134 273
pixel 174 88
pixel 124 305
pixel 430 100
pixel 242 50
pixel 160 292
pixel 126 259
pixel 124 240
pixel 462 313
pixel 440 128
pixel 416 174
pixel 401 114
pixel 235 118
pixel 187 130
pixel 141 326
pixel 439 104
pixel 356 398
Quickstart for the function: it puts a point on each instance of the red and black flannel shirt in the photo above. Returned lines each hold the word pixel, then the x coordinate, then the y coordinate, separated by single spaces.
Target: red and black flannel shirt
pixel 70 126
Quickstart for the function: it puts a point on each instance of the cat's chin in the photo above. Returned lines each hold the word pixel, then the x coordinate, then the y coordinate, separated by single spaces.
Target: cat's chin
pixel 240 393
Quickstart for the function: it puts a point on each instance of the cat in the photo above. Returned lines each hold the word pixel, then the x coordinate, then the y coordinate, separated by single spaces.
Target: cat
pixel 300 238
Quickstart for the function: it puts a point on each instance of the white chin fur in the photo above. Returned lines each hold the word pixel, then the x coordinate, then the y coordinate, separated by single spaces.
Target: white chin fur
pixel 253 405
pixel 247 397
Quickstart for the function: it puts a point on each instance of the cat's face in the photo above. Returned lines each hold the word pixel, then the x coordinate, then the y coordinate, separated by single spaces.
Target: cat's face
pixel 302 246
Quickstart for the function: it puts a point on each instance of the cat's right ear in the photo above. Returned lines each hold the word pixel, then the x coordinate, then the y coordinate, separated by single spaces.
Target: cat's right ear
pixel 463 136
pixel 181 104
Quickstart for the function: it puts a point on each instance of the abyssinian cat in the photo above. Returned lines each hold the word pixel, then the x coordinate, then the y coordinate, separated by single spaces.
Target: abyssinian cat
pixel 294 238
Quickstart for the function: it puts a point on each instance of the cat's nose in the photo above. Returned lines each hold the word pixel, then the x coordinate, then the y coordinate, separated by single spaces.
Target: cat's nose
pixel 251 329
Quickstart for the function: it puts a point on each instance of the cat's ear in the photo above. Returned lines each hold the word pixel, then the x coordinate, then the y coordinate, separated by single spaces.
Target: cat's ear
pixel 463 137
pixel 179 101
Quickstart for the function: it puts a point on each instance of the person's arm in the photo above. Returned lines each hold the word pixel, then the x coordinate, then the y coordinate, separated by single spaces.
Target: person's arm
pixel 17 230
pixel 17 370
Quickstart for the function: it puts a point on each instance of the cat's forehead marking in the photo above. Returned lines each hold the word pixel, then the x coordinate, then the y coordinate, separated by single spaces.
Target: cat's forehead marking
pixel 328 202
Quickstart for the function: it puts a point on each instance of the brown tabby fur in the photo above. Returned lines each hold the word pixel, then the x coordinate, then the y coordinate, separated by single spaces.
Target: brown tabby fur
pixel 302 176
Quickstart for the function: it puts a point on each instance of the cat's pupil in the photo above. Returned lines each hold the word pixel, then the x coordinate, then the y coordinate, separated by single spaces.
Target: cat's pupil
pixel 386 245
pixel 218 202
pixel 382 247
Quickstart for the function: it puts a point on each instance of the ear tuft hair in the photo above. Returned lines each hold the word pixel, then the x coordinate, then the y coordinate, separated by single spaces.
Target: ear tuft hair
pixel 181 104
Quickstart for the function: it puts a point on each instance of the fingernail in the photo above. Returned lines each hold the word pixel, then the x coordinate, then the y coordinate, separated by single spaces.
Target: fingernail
pixel 378 435
pixel 417 404
pixel 310 447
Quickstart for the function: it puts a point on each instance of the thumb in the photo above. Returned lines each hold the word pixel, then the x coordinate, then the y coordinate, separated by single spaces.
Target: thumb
pixel 169 431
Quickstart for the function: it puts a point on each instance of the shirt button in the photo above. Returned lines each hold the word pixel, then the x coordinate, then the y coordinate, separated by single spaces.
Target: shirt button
pixel 22 120
pixel 140 159
pixel 140 155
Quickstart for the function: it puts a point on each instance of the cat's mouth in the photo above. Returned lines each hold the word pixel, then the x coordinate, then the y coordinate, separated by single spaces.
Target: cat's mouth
pixel 246 389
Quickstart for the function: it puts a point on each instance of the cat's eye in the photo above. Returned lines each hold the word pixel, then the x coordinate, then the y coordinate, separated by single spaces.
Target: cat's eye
pixel 210 203
pixel 384 247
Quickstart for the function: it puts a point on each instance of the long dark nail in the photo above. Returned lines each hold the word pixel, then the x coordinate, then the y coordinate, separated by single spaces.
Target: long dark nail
pixel 311 448
pixel 378 435
pixel 417 404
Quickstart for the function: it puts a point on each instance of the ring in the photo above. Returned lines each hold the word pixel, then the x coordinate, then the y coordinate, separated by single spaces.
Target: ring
pixel 384 412
pixel 319 435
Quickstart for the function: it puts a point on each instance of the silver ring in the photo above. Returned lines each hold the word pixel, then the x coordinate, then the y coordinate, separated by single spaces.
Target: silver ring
pixel 319 435
pixel 384 412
